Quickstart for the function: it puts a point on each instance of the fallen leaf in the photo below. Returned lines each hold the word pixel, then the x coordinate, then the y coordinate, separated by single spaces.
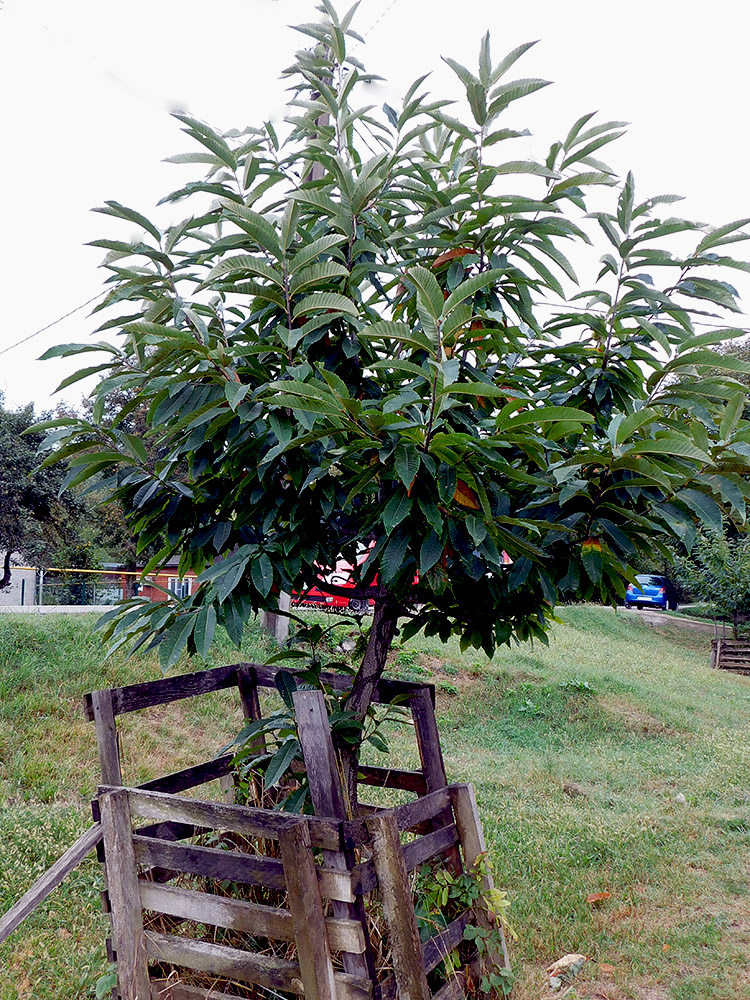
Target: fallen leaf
pixel 607 968
pixel 665 947
pixel 597 897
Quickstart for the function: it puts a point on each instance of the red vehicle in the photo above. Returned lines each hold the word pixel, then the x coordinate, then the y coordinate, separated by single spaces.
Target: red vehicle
pixel 341 576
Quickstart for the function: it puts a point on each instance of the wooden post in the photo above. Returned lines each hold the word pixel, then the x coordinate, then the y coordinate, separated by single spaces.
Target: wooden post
pixel 398 907
pixel 327 797
pixel 106 737
pixel 277 625
pixel 472 843
pixel 431 755
pixel 124 896
pixel 313 953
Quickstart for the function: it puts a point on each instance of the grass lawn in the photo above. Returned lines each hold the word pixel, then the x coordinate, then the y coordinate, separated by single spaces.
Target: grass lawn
pixel 578 753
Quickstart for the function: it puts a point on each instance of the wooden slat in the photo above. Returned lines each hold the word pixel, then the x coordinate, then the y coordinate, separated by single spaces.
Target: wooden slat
pixel 326 793
pixel 246 868
pixel 398 907
pixel 239 915
pixel 244 820
pixel 431 755
pixel 436 948
pixel 453 989
pixel 313 953
pixel 391 777
pixel 415 854
pixel 150 693
pixel 50 880
pixel 408 816
pixel 473 845
pixel 102 712
pixel 273 973
pixel 189 777
pixel 133 697
pixel 169 989
pixel 122 886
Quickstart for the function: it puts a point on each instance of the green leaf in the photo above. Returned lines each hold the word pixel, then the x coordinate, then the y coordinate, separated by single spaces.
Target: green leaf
pixel 392 559
pixel 706 509
pixel 308 253
pixel 175 639
pixel 327 301
pixel 732 415
pixel 241 263
pixel 278 764
pixel 407 463
pixel 261 571
pixel 395 511
pixel 672 444
pixel 123 212
pixel 203 633
pixel 468 288
pixel 286 685
pixel 428 290
pixel 430 552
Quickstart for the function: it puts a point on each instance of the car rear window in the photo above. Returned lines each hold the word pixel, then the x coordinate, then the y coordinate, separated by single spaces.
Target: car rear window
pixel 650 581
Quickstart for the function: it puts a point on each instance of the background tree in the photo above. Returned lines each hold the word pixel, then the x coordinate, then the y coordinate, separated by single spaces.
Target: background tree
pixel 36 522
pixel 717 571
pixel 343 346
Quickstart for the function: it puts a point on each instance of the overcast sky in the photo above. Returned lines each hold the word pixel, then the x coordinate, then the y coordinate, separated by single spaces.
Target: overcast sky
pixel 87 87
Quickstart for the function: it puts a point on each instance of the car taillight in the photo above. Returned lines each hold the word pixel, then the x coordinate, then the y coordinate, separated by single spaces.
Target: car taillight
pixel 631 588
pixel 661 591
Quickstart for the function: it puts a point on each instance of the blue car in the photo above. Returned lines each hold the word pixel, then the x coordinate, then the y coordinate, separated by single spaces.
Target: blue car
pixel 652 592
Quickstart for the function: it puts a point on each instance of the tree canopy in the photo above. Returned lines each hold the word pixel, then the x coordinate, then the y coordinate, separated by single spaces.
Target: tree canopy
pixel 36 522
pixel 369 333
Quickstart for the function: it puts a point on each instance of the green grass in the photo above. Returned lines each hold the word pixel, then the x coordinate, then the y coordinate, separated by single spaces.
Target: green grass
pixel 578 752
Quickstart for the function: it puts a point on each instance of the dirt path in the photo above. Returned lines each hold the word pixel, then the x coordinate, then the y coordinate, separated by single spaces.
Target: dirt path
pixel 658 618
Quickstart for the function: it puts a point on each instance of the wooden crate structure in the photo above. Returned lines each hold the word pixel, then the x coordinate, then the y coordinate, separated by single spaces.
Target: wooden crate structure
pixel 320 875
pixel 731 654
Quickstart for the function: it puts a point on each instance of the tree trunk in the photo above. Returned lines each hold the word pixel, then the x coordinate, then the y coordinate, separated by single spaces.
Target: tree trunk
pixel 5 578
pixel 384 625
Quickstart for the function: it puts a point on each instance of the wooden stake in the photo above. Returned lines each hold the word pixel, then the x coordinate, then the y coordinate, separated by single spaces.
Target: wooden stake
pixel 398 907
pixel 313 953
pixel 124 896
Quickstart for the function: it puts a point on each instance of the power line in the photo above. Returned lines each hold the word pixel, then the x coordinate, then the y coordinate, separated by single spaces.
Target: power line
pixel 377 21
pixel 54 321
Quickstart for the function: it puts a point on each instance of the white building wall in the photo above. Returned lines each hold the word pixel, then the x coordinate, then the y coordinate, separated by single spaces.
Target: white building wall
pixel 22 589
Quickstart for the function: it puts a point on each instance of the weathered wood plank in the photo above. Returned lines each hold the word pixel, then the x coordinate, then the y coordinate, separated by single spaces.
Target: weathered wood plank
pixel 327 797
pixel 313 954
pixel 391 777
pixel 106 737
pixel 431 755
pixel 415 854
pixel 398 907
pixel 249 869
pixel 189 777
pixel 125 906
pixel 453 989
pixel 133 697
pixel 239 915
pixel 273 973
pixel 472 844
pixel 244 820
pixel 49 881
pixel 408 816
pixel 436 948
pixel 169 989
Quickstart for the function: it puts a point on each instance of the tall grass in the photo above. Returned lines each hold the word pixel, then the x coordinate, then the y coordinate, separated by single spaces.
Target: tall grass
pixel 581 753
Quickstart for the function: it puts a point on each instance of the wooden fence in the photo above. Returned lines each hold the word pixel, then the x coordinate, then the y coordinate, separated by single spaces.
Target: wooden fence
pixel 148 876
pixel 731 654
